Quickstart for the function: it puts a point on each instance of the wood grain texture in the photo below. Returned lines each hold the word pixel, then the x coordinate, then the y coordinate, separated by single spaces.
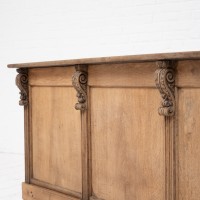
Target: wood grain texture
pixel 32 192
pixel 85 155
pixel 27 144
pixel 170 158
pixel 56 137
pixel 126 75
pixel 56 188
pixel 188 73
pixel 128 144
pixel 79 82
pixel 119 148
pixel 188 144
pixel 55 76
pixel 113 59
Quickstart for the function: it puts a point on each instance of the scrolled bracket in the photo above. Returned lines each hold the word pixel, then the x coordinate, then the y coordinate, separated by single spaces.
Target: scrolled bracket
pixel 165 82
pixel 79 82
pixel 22 84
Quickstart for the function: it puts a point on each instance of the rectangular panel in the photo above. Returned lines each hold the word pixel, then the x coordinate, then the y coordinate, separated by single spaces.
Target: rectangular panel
pixel 128 74
pixel 189 144
pixel 32 192
pixel 128 144
pixel 53 76
pixel 188 73
pixel 56 137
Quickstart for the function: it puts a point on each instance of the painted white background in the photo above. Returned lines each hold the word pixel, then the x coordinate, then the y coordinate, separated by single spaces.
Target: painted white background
pixel 40 30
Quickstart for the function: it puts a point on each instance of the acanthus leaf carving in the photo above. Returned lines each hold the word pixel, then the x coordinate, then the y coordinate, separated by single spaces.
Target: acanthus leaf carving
pixel 79 82
pixel 165 82
pixel 22 84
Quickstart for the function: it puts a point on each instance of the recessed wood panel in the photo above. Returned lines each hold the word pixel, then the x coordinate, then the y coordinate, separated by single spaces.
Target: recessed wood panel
pixel 126 74
pixel 56 137
pixel 128 144
pixel 189 144
pixel 53 76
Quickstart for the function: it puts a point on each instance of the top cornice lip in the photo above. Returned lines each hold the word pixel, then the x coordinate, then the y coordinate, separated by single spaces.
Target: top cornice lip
pixel 188 55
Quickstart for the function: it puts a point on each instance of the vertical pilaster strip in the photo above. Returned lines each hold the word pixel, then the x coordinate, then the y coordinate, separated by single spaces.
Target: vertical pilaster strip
pixel 27 144
pixel 176 149
pixel 22 84
pixel 165 83
pixel 170 158
pixel 79 81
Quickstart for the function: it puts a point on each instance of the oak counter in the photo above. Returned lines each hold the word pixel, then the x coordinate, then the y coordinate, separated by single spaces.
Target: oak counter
pixel 112 128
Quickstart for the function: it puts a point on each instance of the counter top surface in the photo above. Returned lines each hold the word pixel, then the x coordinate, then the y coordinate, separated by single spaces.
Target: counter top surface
pixel 114 59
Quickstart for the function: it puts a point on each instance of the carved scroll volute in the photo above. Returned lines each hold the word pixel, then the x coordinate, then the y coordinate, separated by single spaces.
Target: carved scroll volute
pixel 22 84
pixel 165 82
pixel 79 81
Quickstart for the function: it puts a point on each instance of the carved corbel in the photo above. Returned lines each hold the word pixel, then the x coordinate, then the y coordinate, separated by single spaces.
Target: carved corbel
pixel 165 82
pixel 79 81
pixel 22 84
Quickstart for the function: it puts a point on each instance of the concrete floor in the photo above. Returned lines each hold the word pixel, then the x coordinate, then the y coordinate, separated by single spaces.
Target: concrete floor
pixel 11 176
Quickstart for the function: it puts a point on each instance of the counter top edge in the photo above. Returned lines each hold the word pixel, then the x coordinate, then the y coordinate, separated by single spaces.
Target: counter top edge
pixel 192 55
